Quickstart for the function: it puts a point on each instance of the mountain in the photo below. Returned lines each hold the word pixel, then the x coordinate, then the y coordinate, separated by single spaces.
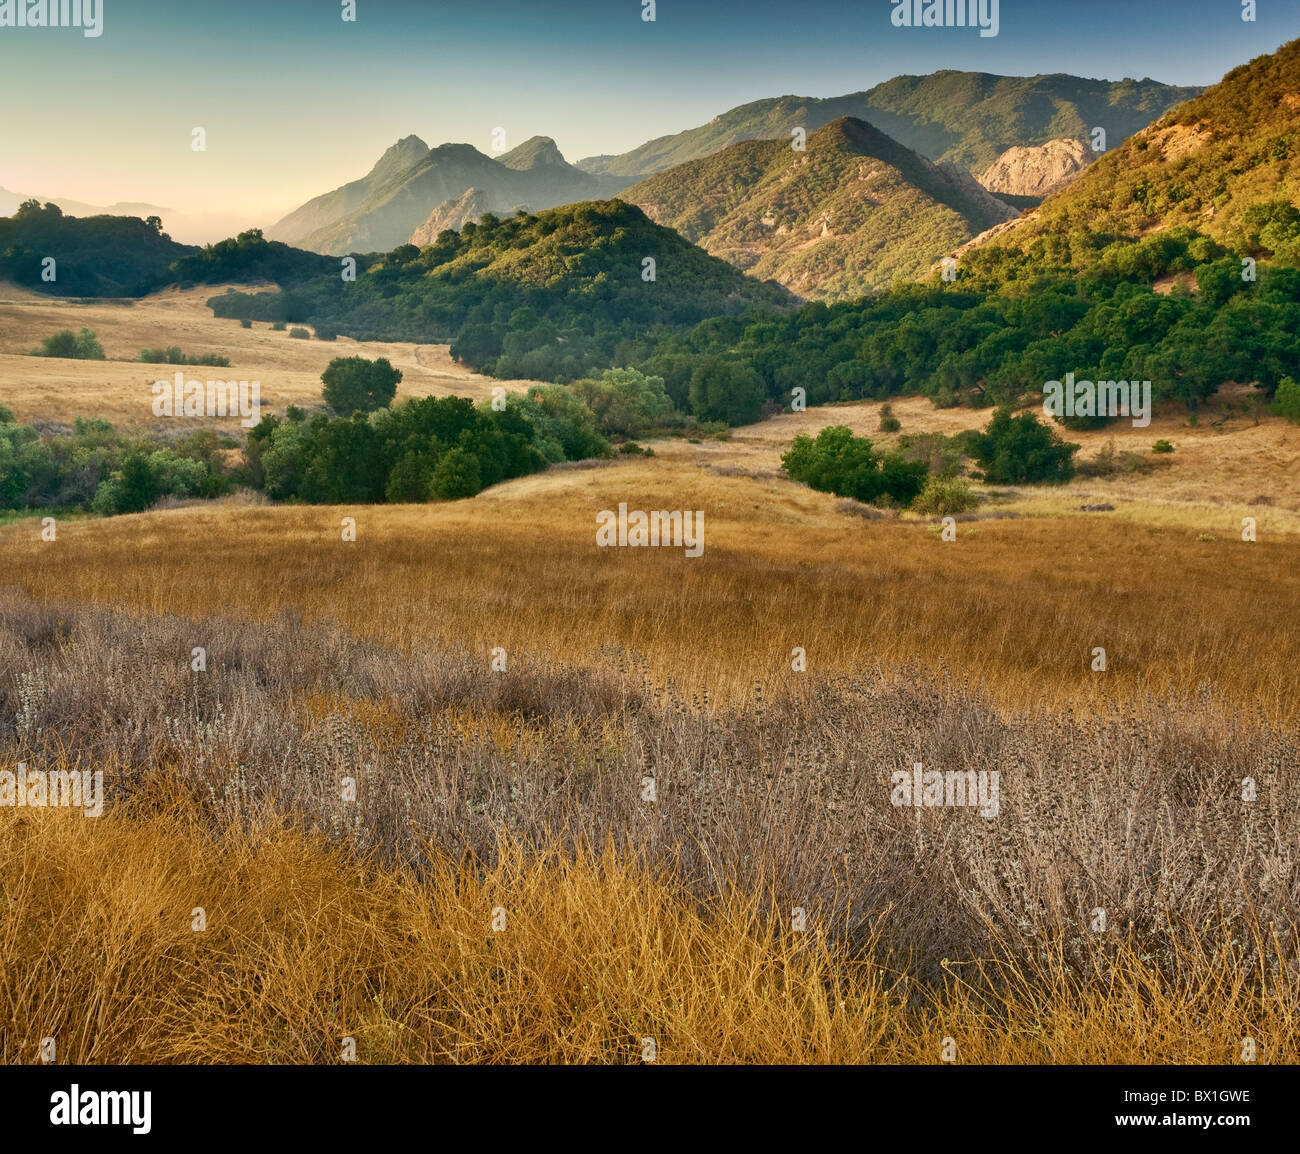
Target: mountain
pixel 1223 164
pixel 411 182
pixel 966 118
pixel 852 213
pixel 323 211
pixel 1034 172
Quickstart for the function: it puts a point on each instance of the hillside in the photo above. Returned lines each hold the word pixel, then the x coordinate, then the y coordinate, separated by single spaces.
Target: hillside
pixel 966 118
pixel 1223 164
pixel 410 182
pixel 548 296
pixel 96 256
pixel 852 213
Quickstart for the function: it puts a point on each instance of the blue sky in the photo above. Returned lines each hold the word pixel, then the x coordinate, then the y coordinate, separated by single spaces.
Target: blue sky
pixel 296 101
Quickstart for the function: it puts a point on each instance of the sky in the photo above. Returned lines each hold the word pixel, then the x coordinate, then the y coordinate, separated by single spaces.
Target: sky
pixel 294 100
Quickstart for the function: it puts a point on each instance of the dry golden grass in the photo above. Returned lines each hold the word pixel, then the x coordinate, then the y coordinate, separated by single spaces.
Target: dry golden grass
pixel 118 389
pixel 316 936
pixel 304 948
pixel 1017 604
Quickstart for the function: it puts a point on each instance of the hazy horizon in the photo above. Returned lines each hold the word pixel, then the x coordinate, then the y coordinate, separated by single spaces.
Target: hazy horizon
pixel 295 101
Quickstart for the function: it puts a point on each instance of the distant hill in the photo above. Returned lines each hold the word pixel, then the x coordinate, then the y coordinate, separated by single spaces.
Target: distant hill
pixel 1224 164
pixel 965 118
pixel 850 214
pixel 548 296
pixel 9 202
pixel 96 256
pixel 411 182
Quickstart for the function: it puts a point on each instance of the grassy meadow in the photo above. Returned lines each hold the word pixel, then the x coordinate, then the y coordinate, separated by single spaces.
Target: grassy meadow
pixel 392 841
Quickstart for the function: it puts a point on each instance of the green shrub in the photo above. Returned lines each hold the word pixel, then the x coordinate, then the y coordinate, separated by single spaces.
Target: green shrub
pixel 848 466
pixel 1162 446
pixel 277 326
pixel 888 422
pixel 1286 401
pixel 1018 450
pixel 82 346
pixel 300 334
pixel 945 496
pixel 245 323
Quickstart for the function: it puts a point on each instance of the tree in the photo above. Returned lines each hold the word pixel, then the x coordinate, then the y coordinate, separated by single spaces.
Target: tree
pixel 355 384
pixel 730 391
pixel 138 487
pixel 1287 400
pixel 456 475
pixel 1020 450
pixel 838 462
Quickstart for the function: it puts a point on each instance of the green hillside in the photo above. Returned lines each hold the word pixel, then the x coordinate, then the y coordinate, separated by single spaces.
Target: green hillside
pixel 95 256
pixel 548 296
pixel 1224 166
pixel 852 213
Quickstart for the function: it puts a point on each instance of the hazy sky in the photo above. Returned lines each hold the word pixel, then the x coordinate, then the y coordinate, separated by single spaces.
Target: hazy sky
pixel 296 101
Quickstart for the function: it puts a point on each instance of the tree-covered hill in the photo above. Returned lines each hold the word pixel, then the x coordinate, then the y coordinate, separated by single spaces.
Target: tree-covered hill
pixel 1224 164
pixel 95 256
pixel 551 295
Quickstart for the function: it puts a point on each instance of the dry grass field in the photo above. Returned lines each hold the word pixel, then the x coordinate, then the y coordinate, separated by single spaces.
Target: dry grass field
pixel 118 389
pixel 499 888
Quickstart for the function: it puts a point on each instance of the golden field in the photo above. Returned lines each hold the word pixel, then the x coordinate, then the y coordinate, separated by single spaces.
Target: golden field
pixel 522 790
pixel 118 389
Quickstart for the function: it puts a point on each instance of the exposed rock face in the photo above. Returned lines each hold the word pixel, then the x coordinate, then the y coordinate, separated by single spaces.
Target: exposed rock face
pixel 454 213
pixel 1039 170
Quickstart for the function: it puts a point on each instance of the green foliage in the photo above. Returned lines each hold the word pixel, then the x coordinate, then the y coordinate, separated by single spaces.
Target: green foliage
pixel 888 422
pixel 98 256
pixel 250 257
pixel 838 462
pixel 1287 400
pixel 945 497
pixel 172 355
pixel 726 390
pixel 94 467
pixel 300 334
pixel 626 402
pixel 355 383
pixel 1016 450
pixel 1162 446
pixel 550 296
pixel 456 475
pixel 82 346
pixel 435 448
